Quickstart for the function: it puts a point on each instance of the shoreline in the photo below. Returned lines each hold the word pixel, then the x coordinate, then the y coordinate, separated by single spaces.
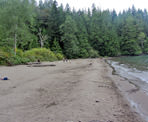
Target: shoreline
pixel 83 90
pixel 137 98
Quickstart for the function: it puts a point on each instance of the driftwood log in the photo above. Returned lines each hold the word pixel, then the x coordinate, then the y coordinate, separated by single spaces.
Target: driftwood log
pixel 41 65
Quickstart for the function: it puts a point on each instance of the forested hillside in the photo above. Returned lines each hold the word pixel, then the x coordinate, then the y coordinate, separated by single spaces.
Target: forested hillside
pixel 24 25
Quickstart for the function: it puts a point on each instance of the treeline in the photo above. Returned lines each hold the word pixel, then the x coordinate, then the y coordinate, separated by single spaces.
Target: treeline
pixel 76 34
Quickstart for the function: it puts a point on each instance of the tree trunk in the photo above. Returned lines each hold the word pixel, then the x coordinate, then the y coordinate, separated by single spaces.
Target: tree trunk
pixel 142 44
pixel 41 38
pixel 15 40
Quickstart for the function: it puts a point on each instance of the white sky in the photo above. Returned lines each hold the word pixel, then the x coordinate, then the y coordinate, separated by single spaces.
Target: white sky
pixel 118 5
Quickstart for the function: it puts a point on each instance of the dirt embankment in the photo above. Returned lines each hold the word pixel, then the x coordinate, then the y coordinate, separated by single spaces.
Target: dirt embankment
pixel 76 91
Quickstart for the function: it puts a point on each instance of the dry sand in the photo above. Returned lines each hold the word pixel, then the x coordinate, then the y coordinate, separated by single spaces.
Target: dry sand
pixel 80 91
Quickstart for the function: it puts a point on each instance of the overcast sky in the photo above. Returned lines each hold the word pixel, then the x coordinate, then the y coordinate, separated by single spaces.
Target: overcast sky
pixel 118 5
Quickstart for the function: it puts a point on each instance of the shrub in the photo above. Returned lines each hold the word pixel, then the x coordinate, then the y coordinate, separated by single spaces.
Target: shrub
pixel 93 53
pixel 19 52
pixel 7 56
pixel 42 54
pixel 83 53
pixel 59 56
pixel 14 60
pixel 4 57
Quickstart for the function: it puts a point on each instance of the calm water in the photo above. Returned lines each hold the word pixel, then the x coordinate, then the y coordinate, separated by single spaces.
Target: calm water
pixel 135 68
pixel 139 62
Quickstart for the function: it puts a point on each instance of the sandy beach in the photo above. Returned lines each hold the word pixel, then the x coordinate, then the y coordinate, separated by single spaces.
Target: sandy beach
pixel 82 90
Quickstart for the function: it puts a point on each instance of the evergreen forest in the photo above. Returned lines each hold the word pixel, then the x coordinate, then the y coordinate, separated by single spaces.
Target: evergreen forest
pixel 49 31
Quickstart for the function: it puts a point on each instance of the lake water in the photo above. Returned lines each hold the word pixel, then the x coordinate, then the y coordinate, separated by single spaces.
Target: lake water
pixel 134 68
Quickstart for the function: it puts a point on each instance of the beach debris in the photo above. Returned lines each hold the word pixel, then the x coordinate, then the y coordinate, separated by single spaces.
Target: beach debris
pixel 90 63
pixel 50 104
pixel 38 61
pixel 105 86
pixel 94 121
pixel 41 65
pixel 97 101
pixel 66 60
pixel 31 63
pixel 5 78
pixel 133 90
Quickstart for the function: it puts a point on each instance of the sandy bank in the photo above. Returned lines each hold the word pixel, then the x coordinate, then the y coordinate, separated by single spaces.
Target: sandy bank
pixel 80 91
pixel 132 91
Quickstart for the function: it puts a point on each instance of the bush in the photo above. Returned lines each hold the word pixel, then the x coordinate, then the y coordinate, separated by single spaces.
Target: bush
pixel 14 60
pixel 93 54
pixel 7 56
pixel 42 54
pixel 83 53
pixel 59 56
pixel 19 52
pixel 4 57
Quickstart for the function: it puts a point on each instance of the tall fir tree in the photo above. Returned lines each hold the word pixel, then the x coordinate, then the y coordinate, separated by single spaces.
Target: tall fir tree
pixel 69 29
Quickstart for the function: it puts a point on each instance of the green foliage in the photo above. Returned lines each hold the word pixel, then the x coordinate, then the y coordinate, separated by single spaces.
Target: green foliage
pixel 15 60
pixel 19 52
pixel 76 34
pixel 17 20
pixel 7 57
pixel 59 56
pixel 129 34
pixel 141 38
pixel 42 54
pixel 4 57
pixel 146 46
pixel 56 47
pixel 69 38
pixel 93 54
pixel 131 48
pixel 54 23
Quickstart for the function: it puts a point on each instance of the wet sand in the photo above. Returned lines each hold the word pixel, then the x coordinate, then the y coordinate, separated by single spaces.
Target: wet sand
pixel 82 90
pixel 137 96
